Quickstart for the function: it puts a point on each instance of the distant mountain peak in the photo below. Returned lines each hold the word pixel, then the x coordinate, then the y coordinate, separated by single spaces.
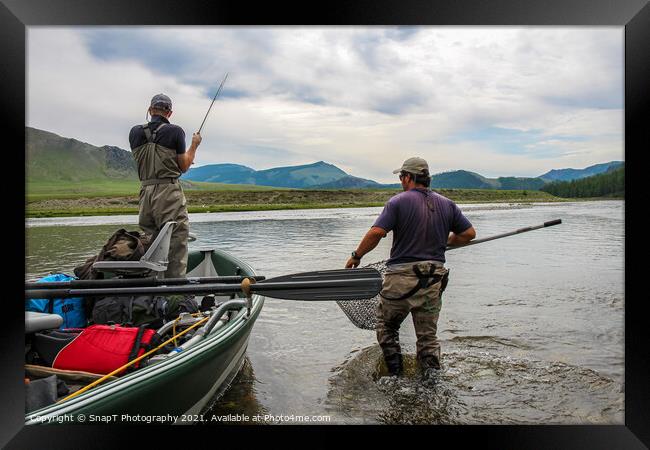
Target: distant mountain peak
pixel 302 176
pixel 576 174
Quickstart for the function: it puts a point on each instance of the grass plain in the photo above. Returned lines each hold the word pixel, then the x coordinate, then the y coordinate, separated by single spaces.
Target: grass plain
pixel 121 197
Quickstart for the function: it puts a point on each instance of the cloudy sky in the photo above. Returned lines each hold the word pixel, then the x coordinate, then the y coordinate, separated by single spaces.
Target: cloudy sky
pixel 500 101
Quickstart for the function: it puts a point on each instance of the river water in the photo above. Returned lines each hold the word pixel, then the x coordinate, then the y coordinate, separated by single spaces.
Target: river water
pixel 531 329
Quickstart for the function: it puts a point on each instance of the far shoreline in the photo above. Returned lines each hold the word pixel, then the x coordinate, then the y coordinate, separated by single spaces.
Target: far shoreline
pixel 240 201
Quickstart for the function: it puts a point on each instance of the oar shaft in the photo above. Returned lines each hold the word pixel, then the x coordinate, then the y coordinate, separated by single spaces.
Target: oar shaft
pixel 220 288
pixel 510 233
pixel 134 282
pixel 298 289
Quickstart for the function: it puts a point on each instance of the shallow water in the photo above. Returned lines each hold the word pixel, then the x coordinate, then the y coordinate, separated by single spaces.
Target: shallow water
pixel 531 326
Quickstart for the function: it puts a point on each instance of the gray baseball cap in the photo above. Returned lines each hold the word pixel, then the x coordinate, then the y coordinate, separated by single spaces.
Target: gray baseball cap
pixel 161 101
pixel 414 165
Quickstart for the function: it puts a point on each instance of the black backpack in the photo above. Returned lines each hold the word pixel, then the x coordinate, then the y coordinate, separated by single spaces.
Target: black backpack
pixel 135 310
pixel 121 246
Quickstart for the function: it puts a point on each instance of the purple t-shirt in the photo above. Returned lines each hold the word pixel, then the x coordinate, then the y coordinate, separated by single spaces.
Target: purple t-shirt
pixel 420 220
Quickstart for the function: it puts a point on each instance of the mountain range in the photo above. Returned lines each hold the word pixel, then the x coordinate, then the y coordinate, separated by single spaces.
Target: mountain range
pixel 50 157
pixel 304 176
pixel 321 175
pixel 577 174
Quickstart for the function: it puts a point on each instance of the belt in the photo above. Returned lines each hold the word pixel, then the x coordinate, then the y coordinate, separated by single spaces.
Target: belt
pixel 425 280
pixel 159 181
pixel 408 266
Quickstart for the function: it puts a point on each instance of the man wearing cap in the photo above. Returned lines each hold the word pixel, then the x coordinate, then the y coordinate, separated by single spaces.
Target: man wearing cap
pixel 159 150
pixel 423 223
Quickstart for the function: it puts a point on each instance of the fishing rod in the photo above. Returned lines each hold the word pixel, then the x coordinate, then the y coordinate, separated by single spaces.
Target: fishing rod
pixel 215 97
pixel 510 233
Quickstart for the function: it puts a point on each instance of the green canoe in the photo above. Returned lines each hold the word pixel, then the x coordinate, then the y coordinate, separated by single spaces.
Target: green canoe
pixel 178 387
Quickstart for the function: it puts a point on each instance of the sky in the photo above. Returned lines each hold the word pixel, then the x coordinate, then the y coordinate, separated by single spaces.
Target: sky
pixel 498 101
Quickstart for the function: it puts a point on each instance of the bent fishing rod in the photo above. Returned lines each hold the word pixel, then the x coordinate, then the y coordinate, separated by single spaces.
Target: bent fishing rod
pixel 215 97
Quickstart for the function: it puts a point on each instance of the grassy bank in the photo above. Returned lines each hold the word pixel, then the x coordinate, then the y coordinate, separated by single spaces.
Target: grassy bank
pixel 40 191
pixel 208 197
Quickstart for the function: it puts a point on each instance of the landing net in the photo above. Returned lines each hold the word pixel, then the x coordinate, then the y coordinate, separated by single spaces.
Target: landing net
pixel 362 312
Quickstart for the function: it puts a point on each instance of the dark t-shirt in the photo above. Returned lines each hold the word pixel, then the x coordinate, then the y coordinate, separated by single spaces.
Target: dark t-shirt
pixel 170 136
pixel 419 233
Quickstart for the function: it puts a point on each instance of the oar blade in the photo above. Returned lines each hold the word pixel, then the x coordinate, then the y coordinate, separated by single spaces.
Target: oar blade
pixel 338 293
pixel 324 285
pixel 324 275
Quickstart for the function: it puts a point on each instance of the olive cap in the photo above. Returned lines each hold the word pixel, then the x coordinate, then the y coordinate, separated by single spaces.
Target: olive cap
pixel 413 165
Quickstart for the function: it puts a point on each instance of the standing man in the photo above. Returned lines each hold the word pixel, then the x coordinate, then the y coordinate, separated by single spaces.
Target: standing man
pixel 423 223
pixel 159 149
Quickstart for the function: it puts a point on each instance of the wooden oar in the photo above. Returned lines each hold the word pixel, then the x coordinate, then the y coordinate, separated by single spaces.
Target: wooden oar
pixel 345 284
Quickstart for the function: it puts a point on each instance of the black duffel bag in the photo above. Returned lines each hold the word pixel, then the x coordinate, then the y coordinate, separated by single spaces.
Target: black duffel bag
pixel 137 310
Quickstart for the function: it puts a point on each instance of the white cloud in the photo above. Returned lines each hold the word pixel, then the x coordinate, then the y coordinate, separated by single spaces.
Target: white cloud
pixel 74 94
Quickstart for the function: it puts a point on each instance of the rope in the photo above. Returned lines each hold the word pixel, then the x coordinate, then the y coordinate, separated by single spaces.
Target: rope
pixel 174 331
pixel 95 383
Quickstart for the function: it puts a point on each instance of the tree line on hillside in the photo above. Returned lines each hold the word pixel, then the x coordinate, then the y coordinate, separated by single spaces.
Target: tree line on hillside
pixel 608 184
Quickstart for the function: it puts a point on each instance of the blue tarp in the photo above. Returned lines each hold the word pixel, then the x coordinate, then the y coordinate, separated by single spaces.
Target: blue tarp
pixel 71 309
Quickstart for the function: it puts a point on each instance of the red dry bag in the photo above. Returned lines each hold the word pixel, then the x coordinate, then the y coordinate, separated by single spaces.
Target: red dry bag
pixel 103 348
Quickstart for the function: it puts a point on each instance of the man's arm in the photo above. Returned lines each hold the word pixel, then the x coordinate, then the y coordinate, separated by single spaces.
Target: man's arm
pixel 461 238
pixel 186 159
pixel 367 244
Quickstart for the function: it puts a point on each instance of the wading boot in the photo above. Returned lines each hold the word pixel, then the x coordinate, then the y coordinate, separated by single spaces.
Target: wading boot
pixel 395 365
pixel 430 367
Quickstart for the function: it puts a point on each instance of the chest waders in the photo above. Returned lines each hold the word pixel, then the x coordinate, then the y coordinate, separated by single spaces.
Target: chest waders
pixel 161 197
pixel 425 280
pixel 156 164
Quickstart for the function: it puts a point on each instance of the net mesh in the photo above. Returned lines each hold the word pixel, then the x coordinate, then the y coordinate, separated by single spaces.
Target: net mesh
pixel 362 312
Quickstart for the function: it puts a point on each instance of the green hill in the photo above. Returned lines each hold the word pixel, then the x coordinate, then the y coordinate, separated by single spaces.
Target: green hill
pixel 350 182
pixel 609 184
pixel 576 174
pixel 221 173
pixel 308 175
pixel 59 166
pixel 516 183
pixel 52 158
pixel 460 179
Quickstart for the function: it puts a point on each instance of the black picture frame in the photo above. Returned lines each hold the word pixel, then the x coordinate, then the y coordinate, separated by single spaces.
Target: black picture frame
pixel 634 15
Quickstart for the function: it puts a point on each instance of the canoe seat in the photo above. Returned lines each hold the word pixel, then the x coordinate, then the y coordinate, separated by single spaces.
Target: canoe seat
pixel 206 267
pixel 155 259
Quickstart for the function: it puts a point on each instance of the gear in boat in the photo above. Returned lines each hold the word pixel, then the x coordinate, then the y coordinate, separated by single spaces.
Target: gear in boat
pixel 62 362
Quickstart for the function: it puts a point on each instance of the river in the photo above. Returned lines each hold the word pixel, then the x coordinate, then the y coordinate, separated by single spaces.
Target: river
pixel 531 329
